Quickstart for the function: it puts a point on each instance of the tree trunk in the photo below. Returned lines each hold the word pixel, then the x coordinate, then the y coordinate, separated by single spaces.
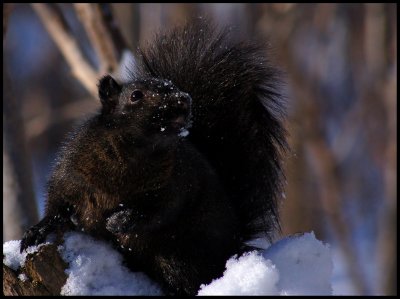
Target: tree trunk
pixel 19 206
pixel 43 274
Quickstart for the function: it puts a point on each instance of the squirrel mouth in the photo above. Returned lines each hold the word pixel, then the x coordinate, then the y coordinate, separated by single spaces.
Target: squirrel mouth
pixel 179 122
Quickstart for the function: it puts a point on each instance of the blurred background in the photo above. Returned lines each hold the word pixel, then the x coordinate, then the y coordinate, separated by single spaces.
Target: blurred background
pixel 340 65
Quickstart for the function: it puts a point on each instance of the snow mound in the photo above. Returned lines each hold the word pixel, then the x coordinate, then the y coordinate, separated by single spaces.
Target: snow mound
pixel 251 274
pixel 296 265
pixel 95 268
pixel 11 256
pixel 304 263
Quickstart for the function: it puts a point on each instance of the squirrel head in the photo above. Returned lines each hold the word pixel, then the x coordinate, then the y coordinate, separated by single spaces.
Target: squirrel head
pixel 152 104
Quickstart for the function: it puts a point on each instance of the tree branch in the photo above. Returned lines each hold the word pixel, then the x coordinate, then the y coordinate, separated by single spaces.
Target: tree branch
pixel 6 13
pixel 91 17
pixel 19 206
pixel 119 42
pixel 59 30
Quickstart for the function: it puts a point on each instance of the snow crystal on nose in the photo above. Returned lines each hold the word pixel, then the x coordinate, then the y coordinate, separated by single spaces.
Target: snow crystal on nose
pixel 183 132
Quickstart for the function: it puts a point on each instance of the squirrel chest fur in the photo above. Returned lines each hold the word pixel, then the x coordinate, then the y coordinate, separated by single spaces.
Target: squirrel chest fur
pixel 176 206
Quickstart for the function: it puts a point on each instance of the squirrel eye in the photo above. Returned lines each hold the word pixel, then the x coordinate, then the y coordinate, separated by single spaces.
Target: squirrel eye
pixel 136 95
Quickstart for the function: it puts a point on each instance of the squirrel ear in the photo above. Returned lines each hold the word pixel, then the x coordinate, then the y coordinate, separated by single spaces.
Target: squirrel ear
pixel 109 91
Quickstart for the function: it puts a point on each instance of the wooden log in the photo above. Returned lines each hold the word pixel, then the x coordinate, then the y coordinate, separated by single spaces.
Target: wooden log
pixel 44 273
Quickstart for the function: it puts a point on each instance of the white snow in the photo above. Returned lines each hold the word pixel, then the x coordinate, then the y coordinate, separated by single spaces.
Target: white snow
pixel 304 263
pixel 11 256
pixel 23 277
pixel 183 132
pixel 251 274
pixel 296 265
pixel 96 269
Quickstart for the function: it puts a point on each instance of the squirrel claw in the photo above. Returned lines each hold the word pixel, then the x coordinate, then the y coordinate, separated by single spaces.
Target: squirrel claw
pixel 33 236
pixel 120 222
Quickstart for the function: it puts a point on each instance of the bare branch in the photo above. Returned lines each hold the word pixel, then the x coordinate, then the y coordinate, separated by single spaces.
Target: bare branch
pixel 119 42
pixel 323 160
pixel 6 13
pixel 98 30
pixel 58 28
pixel 324 163
pixel 19 206
pixel 387 244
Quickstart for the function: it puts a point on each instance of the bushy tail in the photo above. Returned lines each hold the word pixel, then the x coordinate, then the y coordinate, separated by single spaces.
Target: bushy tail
pixel 237 114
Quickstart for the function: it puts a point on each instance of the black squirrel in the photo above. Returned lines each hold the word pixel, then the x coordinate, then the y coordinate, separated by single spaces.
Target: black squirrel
pixel 177 206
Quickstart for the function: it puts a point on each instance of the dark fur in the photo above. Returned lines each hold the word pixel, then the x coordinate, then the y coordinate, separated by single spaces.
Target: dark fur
pixel 237 114
pixel 177 208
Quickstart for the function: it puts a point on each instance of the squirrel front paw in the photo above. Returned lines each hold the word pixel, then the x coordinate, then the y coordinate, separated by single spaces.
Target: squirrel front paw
pixel 121 221
pixel 34 236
